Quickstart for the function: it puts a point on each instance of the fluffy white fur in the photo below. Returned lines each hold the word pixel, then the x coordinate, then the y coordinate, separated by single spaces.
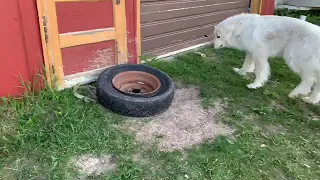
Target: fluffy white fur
pixel 261 37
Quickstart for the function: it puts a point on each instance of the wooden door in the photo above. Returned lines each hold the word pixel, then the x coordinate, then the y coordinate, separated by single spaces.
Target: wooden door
pixel 55 43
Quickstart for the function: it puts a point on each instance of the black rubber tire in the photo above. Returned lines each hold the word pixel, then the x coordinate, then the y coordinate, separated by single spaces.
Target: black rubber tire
pixel 130 105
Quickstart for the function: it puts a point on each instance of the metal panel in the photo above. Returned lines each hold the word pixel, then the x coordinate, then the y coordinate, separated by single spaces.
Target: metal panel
pixel 170 25
pixel 304 3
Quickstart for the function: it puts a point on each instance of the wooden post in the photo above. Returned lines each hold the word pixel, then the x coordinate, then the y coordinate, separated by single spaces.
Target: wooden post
pixel 120 25
pixel 50 41
pixel 255 7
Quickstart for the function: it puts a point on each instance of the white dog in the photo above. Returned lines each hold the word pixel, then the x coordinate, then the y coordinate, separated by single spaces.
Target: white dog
pixel 261 37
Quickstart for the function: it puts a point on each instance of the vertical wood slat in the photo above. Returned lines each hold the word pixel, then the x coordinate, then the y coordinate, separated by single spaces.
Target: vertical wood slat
pixel 52 46
pixel 47 65
pixel 138 29
pixel 119 15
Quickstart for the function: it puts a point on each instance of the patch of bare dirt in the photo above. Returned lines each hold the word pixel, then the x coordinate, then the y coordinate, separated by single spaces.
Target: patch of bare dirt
pixel 92 166
pixel 275 129
pixel 184 124
pixel 8 122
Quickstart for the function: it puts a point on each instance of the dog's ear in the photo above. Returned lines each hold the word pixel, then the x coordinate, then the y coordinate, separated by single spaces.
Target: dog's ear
pixel 214 29
pixel 227 30
pixel 237 30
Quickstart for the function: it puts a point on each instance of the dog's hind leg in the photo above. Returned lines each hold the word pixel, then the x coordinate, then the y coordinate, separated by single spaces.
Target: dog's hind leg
pixel 247 66
pixel 304 88
pixel 299 62
pixel 314 97
pixel 262 71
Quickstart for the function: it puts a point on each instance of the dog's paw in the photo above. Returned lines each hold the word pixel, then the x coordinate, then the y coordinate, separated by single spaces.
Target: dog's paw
pixel 293 95
pixel 310 100
pixel 254 86
pixel 251 70
pixel 300 91
pixel 236 70
pixel 239 71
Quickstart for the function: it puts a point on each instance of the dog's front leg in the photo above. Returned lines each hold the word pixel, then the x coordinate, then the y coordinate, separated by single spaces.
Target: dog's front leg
pixel 262 71
pixel 247 66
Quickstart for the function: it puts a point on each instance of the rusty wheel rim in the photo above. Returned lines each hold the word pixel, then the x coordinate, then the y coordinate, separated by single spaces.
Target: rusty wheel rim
pixel 136 83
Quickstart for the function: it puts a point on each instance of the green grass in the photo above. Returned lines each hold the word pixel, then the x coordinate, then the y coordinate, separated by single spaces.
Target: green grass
pixel 45 131
pixel 313 16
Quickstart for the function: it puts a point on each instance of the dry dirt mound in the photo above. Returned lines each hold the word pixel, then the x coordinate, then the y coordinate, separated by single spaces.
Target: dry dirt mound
pixel 184 124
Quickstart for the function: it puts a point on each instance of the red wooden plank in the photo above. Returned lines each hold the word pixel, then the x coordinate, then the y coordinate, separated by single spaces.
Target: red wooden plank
pixel 88 57
pixel 81 16
pixel 131 12
pixel 267 7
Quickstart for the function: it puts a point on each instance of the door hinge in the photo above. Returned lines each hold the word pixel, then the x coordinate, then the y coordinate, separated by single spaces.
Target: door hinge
pixel 45 28
pixel 118 1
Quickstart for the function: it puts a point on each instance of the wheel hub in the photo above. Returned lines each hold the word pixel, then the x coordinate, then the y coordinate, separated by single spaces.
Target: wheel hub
pixel 136 83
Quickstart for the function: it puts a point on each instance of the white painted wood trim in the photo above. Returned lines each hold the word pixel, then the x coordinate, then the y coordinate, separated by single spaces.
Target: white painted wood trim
pixel 183 50
pixel 82 78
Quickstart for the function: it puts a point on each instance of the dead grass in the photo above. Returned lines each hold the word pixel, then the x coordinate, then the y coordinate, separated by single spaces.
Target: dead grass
pixel 23 167
pixel 8 122
pixel 184 124
pixel 275 129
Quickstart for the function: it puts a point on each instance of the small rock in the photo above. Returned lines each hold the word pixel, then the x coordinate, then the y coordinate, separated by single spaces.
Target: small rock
pixel 263 145
pixel 306 165
pixel 201 54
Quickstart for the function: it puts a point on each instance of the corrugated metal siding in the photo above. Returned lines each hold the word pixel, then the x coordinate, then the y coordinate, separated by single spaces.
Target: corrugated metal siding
pixel 168 25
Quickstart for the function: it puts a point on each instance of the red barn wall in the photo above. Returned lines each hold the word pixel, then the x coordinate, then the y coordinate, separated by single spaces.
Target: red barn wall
pixel 20 45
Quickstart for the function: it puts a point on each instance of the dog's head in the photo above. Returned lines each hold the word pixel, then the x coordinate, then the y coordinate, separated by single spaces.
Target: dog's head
pixel 221 37
pixel 227 32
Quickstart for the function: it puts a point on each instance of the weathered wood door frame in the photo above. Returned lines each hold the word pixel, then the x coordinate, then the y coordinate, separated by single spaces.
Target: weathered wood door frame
pixel 52 41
